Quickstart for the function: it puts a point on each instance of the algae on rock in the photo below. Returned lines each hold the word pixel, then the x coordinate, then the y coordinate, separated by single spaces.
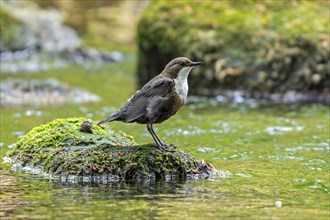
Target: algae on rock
pixel 63 149
pixel 260 47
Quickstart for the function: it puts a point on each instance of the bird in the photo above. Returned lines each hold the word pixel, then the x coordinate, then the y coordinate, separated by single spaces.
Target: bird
pixel 158 100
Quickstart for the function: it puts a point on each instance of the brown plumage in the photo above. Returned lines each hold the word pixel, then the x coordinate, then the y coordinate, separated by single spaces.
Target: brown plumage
pixel 159 99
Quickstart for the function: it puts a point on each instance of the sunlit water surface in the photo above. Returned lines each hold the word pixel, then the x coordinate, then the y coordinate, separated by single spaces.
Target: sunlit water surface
pixel 279 157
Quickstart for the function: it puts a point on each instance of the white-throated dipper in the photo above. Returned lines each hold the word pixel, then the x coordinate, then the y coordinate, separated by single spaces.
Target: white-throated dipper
pixel 159 99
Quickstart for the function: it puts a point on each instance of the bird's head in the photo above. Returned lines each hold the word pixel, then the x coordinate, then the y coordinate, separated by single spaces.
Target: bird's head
pixel 180 67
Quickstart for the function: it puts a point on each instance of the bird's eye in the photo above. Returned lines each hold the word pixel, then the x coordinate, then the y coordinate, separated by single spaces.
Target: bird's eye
pixel 182 63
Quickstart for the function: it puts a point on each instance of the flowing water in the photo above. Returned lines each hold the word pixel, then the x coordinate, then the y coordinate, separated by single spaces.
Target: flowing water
pixel 279 157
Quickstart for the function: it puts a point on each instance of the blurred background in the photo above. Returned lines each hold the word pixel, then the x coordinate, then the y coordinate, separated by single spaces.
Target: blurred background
pixel 261 98
pixel 274 51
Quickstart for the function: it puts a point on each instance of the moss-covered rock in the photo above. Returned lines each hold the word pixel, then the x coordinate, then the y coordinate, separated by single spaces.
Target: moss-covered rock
pixel 262 47
pixel 8 25
pixel 76 148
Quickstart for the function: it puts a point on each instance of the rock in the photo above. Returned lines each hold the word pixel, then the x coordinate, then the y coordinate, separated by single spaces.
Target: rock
pixel 259 55
pixel 83 54
pixel 35 39
pixel 41 29
pixel 41 93
pixel 61 151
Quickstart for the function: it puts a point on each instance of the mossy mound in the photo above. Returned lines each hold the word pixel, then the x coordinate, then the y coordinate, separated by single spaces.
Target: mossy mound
pixel 76 149
pixel 262 47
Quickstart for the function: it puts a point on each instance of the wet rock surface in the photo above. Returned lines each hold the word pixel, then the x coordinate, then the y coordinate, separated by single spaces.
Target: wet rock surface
pixel 41 93
pixel 62 151
pixel 40 41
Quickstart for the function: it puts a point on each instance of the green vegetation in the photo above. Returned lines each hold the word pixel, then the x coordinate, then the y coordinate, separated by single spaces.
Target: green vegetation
pixel 61 147
pixel 8 24
pixel 258 46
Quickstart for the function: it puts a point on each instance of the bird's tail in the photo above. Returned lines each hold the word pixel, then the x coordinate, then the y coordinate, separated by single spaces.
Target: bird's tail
pixel 112 117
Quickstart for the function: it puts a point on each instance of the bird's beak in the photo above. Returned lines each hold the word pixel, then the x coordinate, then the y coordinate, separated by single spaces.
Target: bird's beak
pixel 196 63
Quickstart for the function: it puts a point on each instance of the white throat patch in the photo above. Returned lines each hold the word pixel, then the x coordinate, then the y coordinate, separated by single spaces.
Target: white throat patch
pixel 181 82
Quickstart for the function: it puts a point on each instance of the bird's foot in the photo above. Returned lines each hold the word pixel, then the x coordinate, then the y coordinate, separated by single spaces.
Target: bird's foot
pixel 164 147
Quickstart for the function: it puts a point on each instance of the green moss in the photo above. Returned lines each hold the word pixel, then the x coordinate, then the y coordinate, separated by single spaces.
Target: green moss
pixel 251 45
pixel 60 147
pixel 229 19
pixel 8 25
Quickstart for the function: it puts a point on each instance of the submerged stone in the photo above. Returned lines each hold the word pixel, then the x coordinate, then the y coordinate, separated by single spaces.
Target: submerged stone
pixel 64 150
pixel 46 92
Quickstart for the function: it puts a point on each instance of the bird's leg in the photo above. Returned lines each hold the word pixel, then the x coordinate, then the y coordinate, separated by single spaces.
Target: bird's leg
pixel 154 136
pixel 159 143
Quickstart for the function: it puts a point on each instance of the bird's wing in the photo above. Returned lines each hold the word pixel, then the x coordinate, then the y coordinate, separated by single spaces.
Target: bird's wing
pixel 139 101
pixel 159 87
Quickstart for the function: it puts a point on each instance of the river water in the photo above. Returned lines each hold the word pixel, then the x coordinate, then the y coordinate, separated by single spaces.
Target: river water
pixel 279 157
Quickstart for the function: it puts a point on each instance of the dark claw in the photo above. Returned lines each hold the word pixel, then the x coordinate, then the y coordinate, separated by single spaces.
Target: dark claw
pixel 153 145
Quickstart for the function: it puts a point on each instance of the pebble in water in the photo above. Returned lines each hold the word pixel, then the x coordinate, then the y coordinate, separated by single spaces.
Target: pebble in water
pixel 278 204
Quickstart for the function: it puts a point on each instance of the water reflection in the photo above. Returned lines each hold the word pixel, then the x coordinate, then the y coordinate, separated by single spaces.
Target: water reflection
pixel 54 200
pixel 121 190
